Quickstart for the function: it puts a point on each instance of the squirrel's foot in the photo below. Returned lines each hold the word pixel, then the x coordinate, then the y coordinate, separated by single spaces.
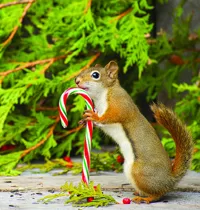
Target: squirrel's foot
pixel 147 200
pixel 90 115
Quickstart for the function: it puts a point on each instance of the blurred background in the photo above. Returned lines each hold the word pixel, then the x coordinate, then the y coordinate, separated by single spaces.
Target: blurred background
pixel 45 44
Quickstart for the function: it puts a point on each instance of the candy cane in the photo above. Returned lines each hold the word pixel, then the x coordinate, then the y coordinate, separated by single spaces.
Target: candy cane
pixel 89 126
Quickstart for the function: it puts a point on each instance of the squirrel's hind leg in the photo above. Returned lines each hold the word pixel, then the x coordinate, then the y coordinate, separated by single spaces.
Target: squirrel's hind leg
pixel 147 200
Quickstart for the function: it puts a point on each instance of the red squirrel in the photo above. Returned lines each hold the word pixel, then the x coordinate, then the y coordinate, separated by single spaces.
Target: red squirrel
pixel 147 165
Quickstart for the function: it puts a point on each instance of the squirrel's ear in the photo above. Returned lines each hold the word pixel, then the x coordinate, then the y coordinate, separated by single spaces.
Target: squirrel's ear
pixel 112 69
pixel 98 65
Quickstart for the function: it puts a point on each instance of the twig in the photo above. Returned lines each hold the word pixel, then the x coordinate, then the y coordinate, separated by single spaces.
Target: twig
pixel 70 131
pixel 51 130
pixel 45 108
pixel 31 64
pixel 91 61
pixel 16 27
pixel 15 2
pixel 191 37
pixel 88 6
pixel 151 41
pixel 192 50
pixel 53 117
pixel 121 15
pixel 74 130
pixel 178 60
pixel 47 66
pixel 197 60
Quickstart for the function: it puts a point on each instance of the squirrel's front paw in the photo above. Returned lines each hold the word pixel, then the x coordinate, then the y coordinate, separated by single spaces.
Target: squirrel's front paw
pixel 82 122
pixel 90 115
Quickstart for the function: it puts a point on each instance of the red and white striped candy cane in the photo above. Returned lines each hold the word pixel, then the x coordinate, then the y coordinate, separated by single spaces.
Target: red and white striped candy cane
pixel 89 126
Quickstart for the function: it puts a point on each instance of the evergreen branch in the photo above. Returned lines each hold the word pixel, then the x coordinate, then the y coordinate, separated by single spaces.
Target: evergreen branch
pixel 191 37
pixel 47 66
pixel 70 131
pixel 16 27
pixel 192 50
pixel 177 60
pixel 34 63
pixel 46 108
pixel 121 15
pixel 53 117
pixel 151 41
pixel 43 108
pixel 74 130
pixel 79 194
pixel 51 130
pixel 15 2
pixel 91 61
pixel 88 6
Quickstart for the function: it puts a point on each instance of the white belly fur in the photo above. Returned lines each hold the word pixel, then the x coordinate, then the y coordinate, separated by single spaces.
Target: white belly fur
pixel 117 133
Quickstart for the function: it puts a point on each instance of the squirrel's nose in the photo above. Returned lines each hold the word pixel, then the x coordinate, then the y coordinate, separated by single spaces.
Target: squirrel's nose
pixel 77 80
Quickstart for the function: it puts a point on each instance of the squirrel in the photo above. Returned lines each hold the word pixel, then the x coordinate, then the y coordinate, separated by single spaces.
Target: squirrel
pixel 147 165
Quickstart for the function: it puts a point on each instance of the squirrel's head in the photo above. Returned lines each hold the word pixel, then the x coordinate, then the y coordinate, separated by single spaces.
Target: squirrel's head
pixel 97 79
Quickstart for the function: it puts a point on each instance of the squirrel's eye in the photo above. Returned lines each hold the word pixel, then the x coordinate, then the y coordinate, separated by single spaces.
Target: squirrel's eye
pixel 95 75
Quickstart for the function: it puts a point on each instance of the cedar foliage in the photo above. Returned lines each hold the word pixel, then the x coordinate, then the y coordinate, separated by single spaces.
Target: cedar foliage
pixel 78 195
pixel 45 44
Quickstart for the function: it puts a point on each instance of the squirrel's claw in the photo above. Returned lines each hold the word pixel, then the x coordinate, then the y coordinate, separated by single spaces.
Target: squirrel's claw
pixel 82 122
pixel 90 115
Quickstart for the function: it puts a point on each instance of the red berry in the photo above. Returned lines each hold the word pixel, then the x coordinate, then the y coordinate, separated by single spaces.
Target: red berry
pixel 10 147
pixel 95 188
pixel 7 147
pixel 126 201
pixel 4 148
pixel 176 59
pixel 90 199
pixel 120 159
pixel 67 159
pixel 69 164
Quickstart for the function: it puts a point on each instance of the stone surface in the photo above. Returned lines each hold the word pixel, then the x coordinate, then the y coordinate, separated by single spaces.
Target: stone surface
pixel 30 201
pixel 108 180
pixel 24 192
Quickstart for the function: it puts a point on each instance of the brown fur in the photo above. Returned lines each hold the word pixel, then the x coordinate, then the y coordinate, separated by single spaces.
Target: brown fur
pixel 181 136
pixel 152 172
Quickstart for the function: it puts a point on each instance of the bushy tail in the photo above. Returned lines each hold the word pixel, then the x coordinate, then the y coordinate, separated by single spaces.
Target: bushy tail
pixel 182 138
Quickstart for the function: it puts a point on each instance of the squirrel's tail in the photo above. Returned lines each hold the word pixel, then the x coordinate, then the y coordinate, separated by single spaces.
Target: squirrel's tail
pixel 181 136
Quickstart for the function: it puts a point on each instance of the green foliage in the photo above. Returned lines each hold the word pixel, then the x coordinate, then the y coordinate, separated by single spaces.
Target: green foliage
pixel 169 145
pixel 8 162
pixel 106 162
pixel 75 167
pixel 162 1
pixel 176 54
pixel 78 195
pixel 99 162
pixel 53 40
pixel 188 107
